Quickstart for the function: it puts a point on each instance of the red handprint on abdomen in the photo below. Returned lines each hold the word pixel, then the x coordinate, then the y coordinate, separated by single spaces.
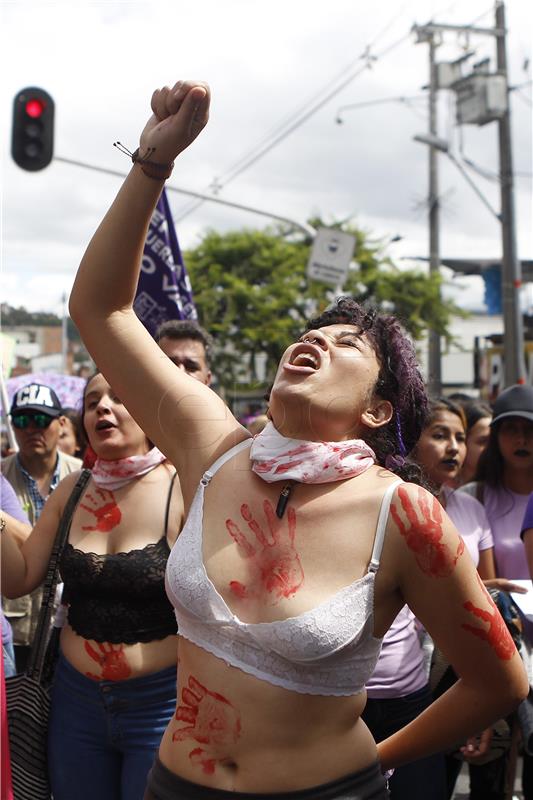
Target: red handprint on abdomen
pixel 423 536
pixel 107 514
pixel 212 721
pixel 112 661
pixel 275 568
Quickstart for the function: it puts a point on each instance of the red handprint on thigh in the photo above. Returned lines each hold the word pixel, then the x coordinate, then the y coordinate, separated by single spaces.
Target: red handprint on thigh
pixel 497 634
pixel 275 567
pixel 112 660
pixel 104 509
pixel 212 721
pixel 423 536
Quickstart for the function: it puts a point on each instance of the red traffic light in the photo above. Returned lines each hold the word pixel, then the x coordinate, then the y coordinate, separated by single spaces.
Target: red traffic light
pixel 32 140
pixel 34 107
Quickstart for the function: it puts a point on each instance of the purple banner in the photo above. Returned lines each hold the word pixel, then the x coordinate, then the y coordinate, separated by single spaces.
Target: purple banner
pixel 164 290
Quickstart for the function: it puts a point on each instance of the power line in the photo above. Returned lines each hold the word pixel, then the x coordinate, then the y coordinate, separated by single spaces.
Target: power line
pixel 523 97
pixel 297 119
pixel 301 115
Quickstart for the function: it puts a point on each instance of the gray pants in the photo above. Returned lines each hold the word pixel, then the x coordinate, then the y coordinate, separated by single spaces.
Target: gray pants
pixel 367 784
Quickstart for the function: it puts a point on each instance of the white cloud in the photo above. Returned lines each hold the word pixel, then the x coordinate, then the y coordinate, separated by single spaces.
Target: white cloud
pixel 101 61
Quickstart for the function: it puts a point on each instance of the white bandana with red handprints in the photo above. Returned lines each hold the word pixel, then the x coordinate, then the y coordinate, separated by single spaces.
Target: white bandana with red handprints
pixel 276 458
pixel 113 475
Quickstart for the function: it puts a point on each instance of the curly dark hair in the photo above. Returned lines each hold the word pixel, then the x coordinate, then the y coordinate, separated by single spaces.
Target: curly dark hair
pixel 399 381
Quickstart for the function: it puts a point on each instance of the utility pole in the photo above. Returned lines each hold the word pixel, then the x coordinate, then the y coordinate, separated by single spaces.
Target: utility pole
pixel 511 271
pixel 427 35
pixel 64 335
pixel 514 367
pixel 434 354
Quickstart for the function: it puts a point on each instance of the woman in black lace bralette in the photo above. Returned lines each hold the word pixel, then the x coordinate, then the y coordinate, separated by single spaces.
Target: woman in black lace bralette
pixel 115 684
pixel 289 568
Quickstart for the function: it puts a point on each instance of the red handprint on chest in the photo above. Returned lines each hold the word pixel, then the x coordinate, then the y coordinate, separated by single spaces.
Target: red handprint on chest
pixel 274 565
pixel 212 721
pixel 112 661
pixel 105 510
pixel 423 535
pixel 497 634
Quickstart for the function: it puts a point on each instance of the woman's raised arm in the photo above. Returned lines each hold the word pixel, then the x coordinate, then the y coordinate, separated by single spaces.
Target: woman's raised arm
pixel 186 420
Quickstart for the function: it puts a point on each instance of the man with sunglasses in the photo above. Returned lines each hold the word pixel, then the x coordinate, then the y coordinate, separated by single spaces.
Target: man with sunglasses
pixel 34 472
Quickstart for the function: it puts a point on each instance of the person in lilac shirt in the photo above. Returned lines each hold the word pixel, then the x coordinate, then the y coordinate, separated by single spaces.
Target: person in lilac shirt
pixel 504 479
pixel 398 690
pixel 10 505
pixel 527 533
pixel 504 483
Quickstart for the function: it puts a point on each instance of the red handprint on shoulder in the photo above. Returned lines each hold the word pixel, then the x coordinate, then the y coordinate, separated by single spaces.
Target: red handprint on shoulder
pixel 112 661
pixel 104 509
pixel 497 634
pixel 423 536
pixel 275 567
pixel 212 721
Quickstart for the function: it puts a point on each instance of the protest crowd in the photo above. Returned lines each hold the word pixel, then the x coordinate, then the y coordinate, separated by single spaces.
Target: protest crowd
pixel 323 600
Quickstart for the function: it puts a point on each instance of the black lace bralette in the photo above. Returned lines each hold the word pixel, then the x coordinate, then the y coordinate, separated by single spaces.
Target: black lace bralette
pixel 119 597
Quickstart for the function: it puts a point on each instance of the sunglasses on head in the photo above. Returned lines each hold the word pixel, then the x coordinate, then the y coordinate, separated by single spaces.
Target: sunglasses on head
pixel 22 421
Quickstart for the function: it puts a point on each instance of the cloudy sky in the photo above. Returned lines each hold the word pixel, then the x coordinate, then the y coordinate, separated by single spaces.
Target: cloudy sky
pixel 269 65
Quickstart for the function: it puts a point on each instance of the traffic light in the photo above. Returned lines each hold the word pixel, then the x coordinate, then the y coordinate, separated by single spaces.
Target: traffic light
pixel 32 144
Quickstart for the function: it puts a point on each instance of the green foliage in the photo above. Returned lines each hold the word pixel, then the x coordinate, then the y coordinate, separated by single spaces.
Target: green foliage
pixel 20 316
pixel 252 294
pixel 12 316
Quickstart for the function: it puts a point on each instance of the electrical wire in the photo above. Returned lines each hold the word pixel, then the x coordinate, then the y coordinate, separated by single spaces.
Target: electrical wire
pixel 525 99
pixel 303 113
pixel 300 116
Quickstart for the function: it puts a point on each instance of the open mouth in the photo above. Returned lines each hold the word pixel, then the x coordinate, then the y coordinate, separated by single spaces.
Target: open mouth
pixel 521 453
pixel 103 425
pixel 304 358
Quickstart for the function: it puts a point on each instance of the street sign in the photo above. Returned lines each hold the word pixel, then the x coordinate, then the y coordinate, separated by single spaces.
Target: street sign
pixel 330 256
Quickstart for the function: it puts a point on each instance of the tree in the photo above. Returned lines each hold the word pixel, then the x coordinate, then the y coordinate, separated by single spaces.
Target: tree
pixel 252 293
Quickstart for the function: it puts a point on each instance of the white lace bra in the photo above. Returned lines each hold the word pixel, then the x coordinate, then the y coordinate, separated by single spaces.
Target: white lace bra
pixel 329 650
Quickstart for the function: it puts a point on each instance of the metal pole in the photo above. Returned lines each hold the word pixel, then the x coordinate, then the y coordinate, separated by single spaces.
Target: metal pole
pixel 434 359
pixel 64 335
pixel 5 405
pixel 513 340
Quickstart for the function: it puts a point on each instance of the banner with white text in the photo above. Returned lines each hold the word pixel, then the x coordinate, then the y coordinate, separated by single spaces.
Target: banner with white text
pixel 164 290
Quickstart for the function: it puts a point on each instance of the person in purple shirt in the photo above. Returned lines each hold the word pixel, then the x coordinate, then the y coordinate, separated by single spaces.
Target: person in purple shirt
pixel 10 505
pixel 398 690
pixel 504 483
pixel 527 533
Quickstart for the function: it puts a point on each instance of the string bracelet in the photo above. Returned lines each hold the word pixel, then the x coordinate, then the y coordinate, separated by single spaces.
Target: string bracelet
pixel 152 169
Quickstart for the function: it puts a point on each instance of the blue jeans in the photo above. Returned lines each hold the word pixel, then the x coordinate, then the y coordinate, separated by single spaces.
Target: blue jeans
pixel 420 779
pixel 103 735
pixel 8 654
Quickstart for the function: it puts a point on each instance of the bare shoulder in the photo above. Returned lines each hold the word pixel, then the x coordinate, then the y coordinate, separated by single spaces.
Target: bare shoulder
pixel 430 541
pixel 65 487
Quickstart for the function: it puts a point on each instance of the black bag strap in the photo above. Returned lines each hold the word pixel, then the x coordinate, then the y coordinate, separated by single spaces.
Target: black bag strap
pixel 167 507
pixel 38 650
